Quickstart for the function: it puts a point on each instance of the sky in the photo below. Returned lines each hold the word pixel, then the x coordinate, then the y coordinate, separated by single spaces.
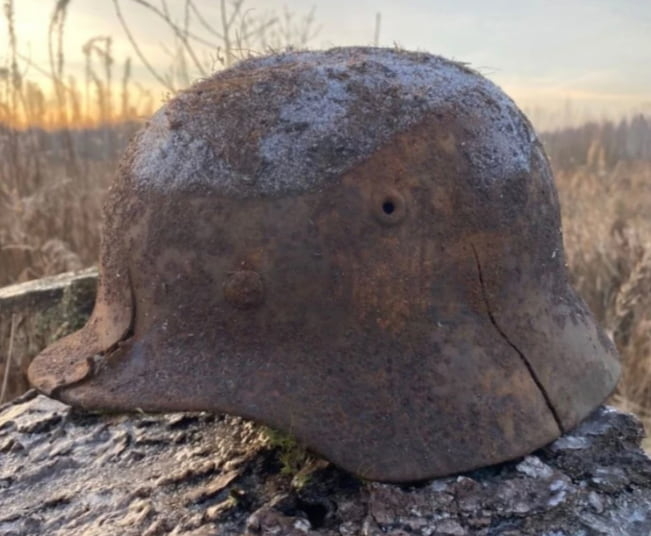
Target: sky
pixel 566 60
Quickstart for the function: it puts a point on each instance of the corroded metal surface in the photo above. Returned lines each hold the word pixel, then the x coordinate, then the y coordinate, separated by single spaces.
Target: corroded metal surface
pixel 396 297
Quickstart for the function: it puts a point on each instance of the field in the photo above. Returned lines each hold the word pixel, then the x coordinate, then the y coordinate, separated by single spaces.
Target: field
pixel 59 147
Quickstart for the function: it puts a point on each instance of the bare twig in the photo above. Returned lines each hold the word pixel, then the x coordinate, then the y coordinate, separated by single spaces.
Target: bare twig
pixel 137 50
pixel 178 31
pixel 202 20
pixel 42 71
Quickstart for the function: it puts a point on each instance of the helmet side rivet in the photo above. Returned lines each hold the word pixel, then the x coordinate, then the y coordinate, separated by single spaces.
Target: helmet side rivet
pixel 244 289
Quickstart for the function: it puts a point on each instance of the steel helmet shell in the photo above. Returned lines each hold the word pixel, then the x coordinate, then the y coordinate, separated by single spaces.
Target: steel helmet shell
pixel 361 247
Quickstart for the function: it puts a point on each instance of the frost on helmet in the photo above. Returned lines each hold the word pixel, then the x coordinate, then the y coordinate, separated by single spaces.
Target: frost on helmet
pixel 361 247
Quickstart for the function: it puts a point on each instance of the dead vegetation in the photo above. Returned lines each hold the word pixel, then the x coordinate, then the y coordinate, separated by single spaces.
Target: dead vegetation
pixel 607 232
pixel 603 175
pixel 59 146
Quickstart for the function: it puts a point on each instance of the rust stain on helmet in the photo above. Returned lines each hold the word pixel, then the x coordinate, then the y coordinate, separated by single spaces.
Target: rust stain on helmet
pixel 361 247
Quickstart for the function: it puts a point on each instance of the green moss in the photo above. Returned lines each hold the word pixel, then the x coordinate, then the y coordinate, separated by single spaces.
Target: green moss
pixel 68 315
pixel 74 310
pixel 293 456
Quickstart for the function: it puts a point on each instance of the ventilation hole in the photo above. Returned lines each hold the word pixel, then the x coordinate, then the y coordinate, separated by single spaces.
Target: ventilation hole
pixel 388 207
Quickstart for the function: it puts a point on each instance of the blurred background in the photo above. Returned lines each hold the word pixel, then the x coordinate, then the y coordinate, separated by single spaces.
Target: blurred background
pixel 77 79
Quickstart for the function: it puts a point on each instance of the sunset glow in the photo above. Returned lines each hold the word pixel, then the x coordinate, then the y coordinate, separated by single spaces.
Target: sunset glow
pixel 563 62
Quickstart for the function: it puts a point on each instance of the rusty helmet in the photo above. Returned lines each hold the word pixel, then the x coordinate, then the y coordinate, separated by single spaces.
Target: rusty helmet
pixel 361 247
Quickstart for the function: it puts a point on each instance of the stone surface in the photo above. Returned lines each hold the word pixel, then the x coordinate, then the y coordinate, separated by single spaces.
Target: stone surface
pixel 42 294
pixel 63 472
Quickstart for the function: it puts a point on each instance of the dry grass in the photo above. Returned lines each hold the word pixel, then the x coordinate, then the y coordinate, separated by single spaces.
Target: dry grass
pixel 607 232
pixel 603 175
pixel 49 216
pixel 58 145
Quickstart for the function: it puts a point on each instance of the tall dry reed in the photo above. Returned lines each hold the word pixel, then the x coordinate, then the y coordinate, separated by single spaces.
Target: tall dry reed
pixel 607 234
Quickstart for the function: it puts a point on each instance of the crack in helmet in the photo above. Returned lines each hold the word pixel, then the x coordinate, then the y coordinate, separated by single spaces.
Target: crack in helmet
pixel 360 247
